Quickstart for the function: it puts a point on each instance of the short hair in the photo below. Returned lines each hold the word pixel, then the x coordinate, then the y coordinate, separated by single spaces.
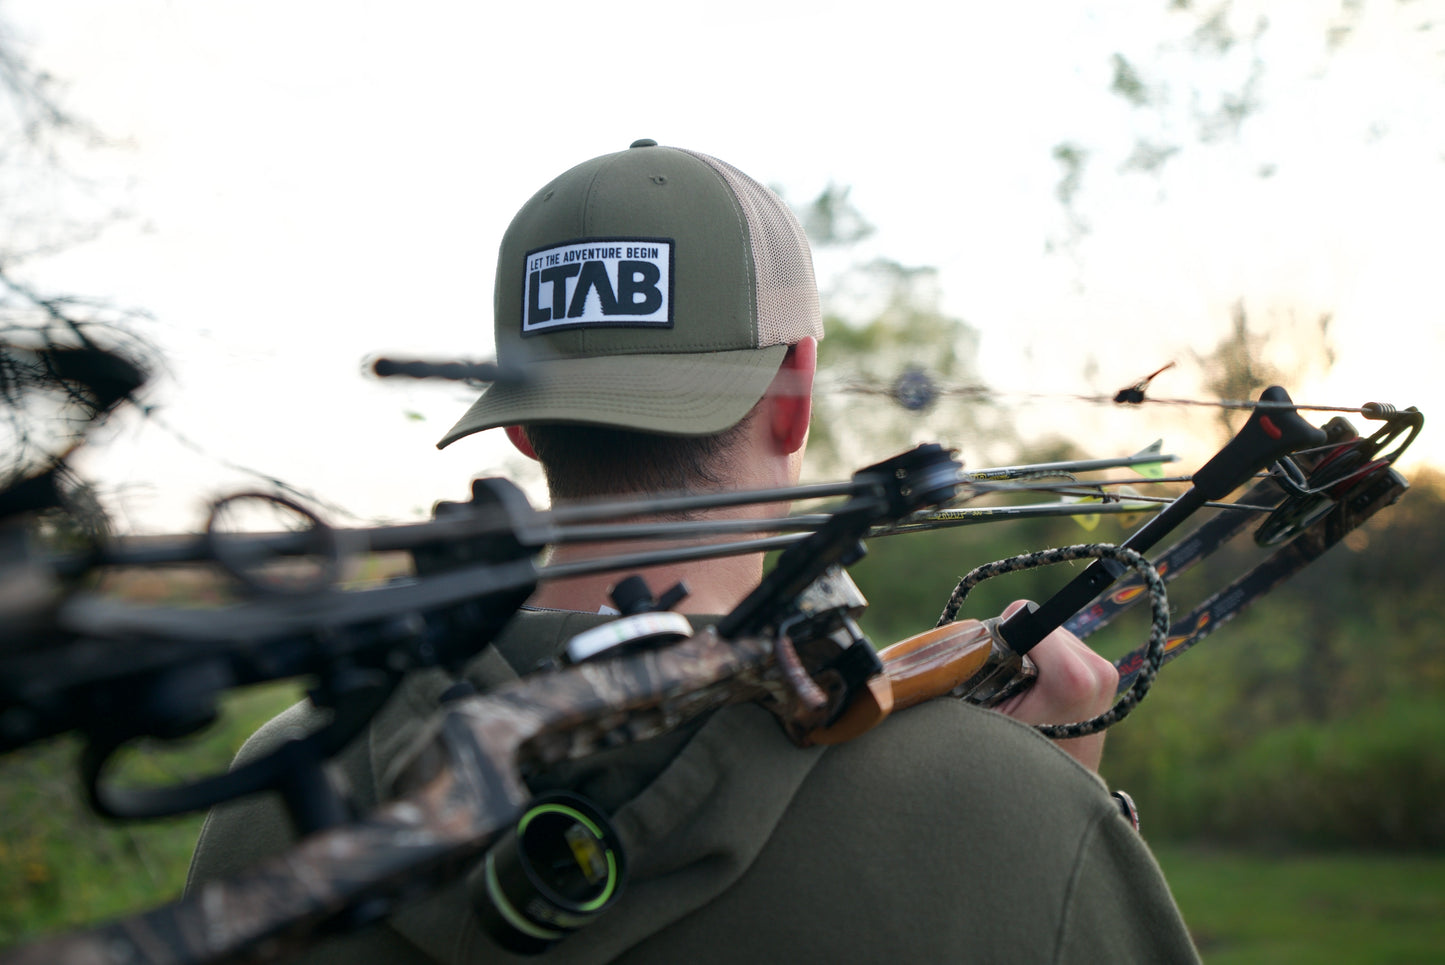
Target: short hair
pixel 582 461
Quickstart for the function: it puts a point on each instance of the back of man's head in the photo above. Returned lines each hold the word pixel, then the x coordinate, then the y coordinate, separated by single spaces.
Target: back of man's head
pixel 652 291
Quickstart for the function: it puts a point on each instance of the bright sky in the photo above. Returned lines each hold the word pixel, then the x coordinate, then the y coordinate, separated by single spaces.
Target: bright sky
pixel 313 183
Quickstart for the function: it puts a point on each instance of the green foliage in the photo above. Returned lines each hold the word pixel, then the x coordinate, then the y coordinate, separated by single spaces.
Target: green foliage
pixel 1314 719
pixel 831 219
pixel 1325 909
pixel 1234 369
pixel 904 327
pixel 908 579
pixel 883 320
pixel 62 866
pixel 1127 83
pixel 1071 158
pixel 1373 779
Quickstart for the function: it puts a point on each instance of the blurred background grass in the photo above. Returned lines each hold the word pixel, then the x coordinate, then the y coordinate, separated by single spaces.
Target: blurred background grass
pixel 62 865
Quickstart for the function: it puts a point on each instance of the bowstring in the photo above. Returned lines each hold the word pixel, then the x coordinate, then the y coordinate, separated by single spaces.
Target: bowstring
pixel 982 393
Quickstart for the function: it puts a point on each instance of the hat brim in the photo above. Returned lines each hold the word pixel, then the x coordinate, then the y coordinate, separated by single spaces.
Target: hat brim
pixel 683 394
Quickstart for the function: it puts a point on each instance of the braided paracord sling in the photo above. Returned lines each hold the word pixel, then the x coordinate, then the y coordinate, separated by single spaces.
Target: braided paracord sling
pixel 1159 629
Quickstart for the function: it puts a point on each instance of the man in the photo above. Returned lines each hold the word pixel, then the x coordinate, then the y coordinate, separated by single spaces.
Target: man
pixel 664 309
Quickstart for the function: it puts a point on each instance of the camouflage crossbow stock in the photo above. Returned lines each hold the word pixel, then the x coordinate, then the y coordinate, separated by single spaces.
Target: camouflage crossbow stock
pixel 71 660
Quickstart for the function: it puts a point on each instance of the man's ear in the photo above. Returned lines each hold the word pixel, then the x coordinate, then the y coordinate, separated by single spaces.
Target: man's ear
pixel 791 395
pixel 518 435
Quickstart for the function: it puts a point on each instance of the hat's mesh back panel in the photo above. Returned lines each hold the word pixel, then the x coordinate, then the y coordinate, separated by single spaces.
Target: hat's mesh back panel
pixel 787 292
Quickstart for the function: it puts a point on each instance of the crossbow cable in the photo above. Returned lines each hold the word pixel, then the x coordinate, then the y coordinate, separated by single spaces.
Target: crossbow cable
pixel 1268 435
pixel 1320 497
pixel 987 662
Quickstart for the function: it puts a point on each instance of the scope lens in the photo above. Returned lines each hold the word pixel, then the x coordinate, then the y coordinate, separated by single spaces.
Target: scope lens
pixel 561 868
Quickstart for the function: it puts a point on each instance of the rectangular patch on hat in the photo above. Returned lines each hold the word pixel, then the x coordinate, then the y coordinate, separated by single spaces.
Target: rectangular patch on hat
pixel 598 282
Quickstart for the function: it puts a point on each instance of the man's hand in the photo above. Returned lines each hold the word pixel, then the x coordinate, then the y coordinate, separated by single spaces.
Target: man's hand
pixel 1074 684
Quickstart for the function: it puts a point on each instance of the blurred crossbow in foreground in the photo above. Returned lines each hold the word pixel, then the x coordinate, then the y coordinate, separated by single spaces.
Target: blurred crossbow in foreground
pixel 74 660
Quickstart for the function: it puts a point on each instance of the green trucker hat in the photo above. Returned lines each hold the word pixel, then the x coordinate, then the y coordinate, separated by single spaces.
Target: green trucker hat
pixel 653 289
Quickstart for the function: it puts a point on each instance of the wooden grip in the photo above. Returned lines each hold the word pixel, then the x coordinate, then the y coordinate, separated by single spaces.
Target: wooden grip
pixel 932 663
pixel 922 667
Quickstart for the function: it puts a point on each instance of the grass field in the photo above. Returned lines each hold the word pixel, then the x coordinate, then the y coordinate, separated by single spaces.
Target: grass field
pixel 61 865
pixel 65 868
pixel 1322 909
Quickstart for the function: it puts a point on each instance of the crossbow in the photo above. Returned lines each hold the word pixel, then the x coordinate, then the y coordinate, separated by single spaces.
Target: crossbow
pixel 74 660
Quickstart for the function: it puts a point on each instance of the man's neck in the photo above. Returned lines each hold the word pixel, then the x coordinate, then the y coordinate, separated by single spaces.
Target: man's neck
pixel 714 586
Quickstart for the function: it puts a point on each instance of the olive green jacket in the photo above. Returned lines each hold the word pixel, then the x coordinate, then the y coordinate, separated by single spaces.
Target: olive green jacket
pixel 948 834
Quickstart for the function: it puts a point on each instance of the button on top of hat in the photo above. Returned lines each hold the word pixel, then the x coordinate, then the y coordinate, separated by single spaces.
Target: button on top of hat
pixel 644 142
